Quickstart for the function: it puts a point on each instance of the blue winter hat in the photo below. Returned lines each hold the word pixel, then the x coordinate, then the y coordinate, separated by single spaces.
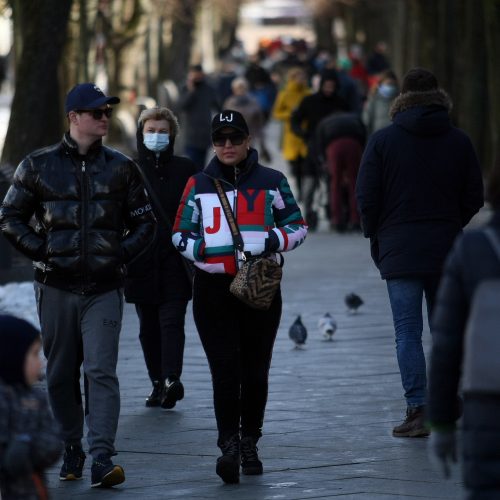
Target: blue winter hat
pixel 87 96
pixel 16 337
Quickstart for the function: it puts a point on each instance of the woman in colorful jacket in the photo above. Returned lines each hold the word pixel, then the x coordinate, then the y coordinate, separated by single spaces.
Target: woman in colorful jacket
pixel 237 339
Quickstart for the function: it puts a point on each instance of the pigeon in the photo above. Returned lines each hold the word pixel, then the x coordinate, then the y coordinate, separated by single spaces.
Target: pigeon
pixel 327 326
pixel 353 302
pixel 298 332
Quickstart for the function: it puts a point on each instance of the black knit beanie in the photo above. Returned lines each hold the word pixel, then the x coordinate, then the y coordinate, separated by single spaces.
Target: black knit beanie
pixel 419 80
pixel 16 337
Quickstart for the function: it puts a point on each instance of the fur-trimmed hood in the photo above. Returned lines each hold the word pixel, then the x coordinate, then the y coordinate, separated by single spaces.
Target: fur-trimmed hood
pixel 412 99
pixel 422 113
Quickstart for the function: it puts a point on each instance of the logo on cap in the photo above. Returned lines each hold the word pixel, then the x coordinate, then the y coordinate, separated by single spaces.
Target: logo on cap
pixel 226 118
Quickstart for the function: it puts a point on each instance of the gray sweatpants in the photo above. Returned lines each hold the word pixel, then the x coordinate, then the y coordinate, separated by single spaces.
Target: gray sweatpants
pixel 75 329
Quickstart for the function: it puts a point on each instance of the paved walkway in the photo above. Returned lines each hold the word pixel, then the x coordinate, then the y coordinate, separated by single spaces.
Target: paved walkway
pixel 332 405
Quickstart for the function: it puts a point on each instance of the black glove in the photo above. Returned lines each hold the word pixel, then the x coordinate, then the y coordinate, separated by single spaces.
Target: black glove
pixel 443 449
pixel 17 459
pixel 272 242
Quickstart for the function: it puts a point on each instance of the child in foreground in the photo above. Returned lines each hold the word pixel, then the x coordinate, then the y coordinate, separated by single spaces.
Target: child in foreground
pixel 29 441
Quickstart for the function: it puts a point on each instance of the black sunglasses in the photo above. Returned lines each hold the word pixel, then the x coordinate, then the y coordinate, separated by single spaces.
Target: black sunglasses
pixel 97 113
pixel 234 139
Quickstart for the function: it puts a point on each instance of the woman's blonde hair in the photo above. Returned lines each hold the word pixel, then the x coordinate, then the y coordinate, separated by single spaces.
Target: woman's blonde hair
pixel 295 72
pixel 160 114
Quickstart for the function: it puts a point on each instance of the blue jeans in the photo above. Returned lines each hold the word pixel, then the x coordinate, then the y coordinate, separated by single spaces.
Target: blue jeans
pixel 406 296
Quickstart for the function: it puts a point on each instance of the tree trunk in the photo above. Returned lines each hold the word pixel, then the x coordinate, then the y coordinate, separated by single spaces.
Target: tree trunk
pixel 36 114
pixel 473 105
pixel 176 57
pixel 492 32
pixel 323 29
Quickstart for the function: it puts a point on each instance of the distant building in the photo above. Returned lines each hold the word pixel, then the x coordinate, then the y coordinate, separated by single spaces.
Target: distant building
pixel 275 12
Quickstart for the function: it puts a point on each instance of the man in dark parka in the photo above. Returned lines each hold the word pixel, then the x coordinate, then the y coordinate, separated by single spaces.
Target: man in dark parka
pixel 419 184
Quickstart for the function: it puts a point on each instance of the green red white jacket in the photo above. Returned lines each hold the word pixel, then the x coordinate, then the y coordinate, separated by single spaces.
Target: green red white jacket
pixel 267 215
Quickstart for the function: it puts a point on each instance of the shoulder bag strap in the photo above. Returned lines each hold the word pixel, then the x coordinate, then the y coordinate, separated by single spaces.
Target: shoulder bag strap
pixel 152 194
pixel 238 240
pixel 494 240
pixel 188 266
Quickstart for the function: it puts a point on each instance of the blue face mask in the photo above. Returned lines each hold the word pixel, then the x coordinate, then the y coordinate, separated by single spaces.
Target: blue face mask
pixel 388 91
pixel 156 142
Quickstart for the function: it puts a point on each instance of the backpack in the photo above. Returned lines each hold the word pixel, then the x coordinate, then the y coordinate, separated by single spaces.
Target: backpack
pixel 481 366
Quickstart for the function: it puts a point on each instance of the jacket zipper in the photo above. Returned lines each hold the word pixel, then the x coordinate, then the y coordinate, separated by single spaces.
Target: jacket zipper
pixel 84 223
pixel 235 208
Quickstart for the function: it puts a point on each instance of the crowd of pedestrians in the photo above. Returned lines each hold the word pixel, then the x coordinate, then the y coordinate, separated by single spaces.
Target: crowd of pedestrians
pixel 97 224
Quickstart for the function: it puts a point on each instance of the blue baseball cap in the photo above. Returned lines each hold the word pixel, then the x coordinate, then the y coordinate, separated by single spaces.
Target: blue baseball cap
pixel 87 96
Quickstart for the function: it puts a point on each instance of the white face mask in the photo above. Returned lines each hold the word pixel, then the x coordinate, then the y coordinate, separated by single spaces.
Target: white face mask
pixel 156 142
pixel 387 90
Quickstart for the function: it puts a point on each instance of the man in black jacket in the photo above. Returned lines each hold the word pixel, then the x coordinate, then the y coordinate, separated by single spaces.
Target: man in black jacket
pixel 92 217
pixel 304 121
pixel 418 185
pixel 340 140
pixel 197 103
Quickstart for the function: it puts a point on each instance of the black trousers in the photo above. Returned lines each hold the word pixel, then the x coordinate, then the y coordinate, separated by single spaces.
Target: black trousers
pixel 238 342
pixel 162 338
pixel 297 168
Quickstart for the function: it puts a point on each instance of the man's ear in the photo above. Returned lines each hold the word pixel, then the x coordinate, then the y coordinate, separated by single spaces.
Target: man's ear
pixel 72 117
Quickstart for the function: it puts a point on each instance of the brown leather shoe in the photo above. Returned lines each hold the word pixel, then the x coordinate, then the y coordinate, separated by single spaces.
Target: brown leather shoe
pixel 413 425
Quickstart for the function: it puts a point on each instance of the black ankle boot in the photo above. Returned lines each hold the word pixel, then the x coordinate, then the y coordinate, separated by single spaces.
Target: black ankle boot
pixel 250 463
pixel 154 399
pixel 228 465
pixel 172 392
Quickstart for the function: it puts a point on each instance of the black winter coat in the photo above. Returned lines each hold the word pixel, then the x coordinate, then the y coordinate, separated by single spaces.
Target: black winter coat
pixel 306 118
pixel 92 215
pixel 418 185
pixel 471 261
pixel 197 107
pixel 159 273
pixel 339 125
pixel 311 110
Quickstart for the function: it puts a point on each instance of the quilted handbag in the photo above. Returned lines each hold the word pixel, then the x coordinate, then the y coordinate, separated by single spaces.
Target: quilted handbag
pixel 257 281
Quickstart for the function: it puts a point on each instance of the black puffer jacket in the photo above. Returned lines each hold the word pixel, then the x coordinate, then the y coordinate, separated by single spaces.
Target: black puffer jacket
pixel 471 261
pixel 159 274
pixel 92 215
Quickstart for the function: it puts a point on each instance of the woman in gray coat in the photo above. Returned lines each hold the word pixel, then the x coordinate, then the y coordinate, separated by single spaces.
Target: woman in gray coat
pixel 376 110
